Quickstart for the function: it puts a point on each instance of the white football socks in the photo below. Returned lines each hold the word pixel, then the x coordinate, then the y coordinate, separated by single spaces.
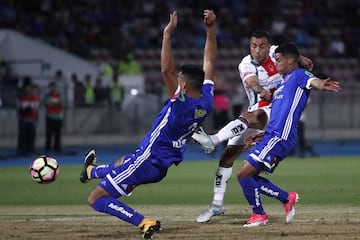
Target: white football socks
pixel 220 182
pixel 234 128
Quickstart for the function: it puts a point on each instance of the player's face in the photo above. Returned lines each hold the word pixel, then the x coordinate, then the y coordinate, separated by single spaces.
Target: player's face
pixel 259 49
pixel 281 63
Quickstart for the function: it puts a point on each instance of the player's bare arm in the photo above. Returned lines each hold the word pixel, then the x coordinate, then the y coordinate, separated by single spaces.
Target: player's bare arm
pixel 326 84
pixel 167 58
pixel 210 49
pixel 253 83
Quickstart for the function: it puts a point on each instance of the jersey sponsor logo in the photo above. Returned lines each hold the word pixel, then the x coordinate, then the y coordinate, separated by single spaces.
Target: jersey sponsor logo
pixel 199 113
pixel 120 209
pixel 257 197
pixel 179 143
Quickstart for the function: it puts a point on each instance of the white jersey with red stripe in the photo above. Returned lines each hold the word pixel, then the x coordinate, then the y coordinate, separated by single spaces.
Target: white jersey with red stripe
pixel 269 78
pixel 265 72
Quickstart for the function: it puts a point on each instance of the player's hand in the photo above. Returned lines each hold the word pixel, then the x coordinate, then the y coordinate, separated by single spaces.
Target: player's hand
pixel 266 95
pixel 171 26
pixel 331 85
pixel 209 18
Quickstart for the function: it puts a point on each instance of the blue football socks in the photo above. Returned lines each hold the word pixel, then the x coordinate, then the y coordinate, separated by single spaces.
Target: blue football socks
pixel 251 192
pixel 118 209
pixel 269 189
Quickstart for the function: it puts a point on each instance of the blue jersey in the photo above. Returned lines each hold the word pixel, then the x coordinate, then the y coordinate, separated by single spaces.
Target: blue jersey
pixel 167 140
pixel 289 101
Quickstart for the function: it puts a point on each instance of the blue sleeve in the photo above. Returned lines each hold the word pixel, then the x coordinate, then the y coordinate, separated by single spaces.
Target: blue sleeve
pixel 303 77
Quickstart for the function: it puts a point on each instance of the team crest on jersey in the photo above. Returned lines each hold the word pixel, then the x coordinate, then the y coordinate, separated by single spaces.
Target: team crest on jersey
pixel 199 113
pixel 309 74
pixel 287 78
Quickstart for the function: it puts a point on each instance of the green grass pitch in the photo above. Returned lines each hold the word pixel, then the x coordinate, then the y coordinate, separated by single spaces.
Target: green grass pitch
pixel 321 180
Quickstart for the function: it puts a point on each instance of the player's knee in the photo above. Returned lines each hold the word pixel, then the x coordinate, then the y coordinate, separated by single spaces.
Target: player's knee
pixel 240 174
pixel 246 170
pixel 93 197
pixel 256 119
pixel 91 200
pixel 262 119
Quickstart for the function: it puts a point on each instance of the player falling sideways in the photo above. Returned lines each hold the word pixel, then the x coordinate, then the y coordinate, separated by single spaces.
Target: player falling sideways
pixel 191 97
pixel 259 77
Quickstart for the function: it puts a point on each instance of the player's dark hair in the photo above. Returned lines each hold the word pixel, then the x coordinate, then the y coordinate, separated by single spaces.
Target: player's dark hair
pixel 288 49
pixel 193 75
pixel 261 34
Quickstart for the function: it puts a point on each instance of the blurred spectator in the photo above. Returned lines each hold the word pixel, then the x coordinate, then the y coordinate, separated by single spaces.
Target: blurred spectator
pixel 54 104
pixel 116 90
pixel 62 84
pixel 302 38
pixel 277 30
pixel 238 100
pixel 28 111
pixel 100 92
pixel 337 46
pixel 89 90
pixel 303 146
pixel 78 90
pixel 129 66
pixel 8 86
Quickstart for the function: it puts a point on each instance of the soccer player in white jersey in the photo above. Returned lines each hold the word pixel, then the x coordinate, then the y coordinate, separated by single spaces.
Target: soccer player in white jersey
pixel 259 76
pixel 191 98
pixel 289 101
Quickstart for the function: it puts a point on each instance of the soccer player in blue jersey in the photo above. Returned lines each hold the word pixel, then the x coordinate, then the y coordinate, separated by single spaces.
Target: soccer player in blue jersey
pixel 191 99
pixel 289 101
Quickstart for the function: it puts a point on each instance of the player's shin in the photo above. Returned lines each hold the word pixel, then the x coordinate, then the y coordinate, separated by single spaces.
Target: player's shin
pixel 251 193
pixel 220 182
pixel 269 189
pixel 118 209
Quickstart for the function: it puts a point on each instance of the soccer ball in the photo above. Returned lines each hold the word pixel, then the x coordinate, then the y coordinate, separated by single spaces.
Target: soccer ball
pixel 44 169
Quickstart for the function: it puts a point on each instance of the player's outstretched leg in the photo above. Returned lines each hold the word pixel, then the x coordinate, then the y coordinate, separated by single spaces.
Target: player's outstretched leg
pixel 89 163
pixel 126 213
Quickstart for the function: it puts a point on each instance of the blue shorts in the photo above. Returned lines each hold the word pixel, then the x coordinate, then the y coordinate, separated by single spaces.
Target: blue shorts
pixel 135 170
pixel 268 152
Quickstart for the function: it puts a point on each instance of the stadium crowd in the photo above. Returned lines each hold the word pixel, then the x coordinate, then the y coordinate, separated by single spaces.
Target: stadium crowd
pixel 109 30
pixel 89 26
